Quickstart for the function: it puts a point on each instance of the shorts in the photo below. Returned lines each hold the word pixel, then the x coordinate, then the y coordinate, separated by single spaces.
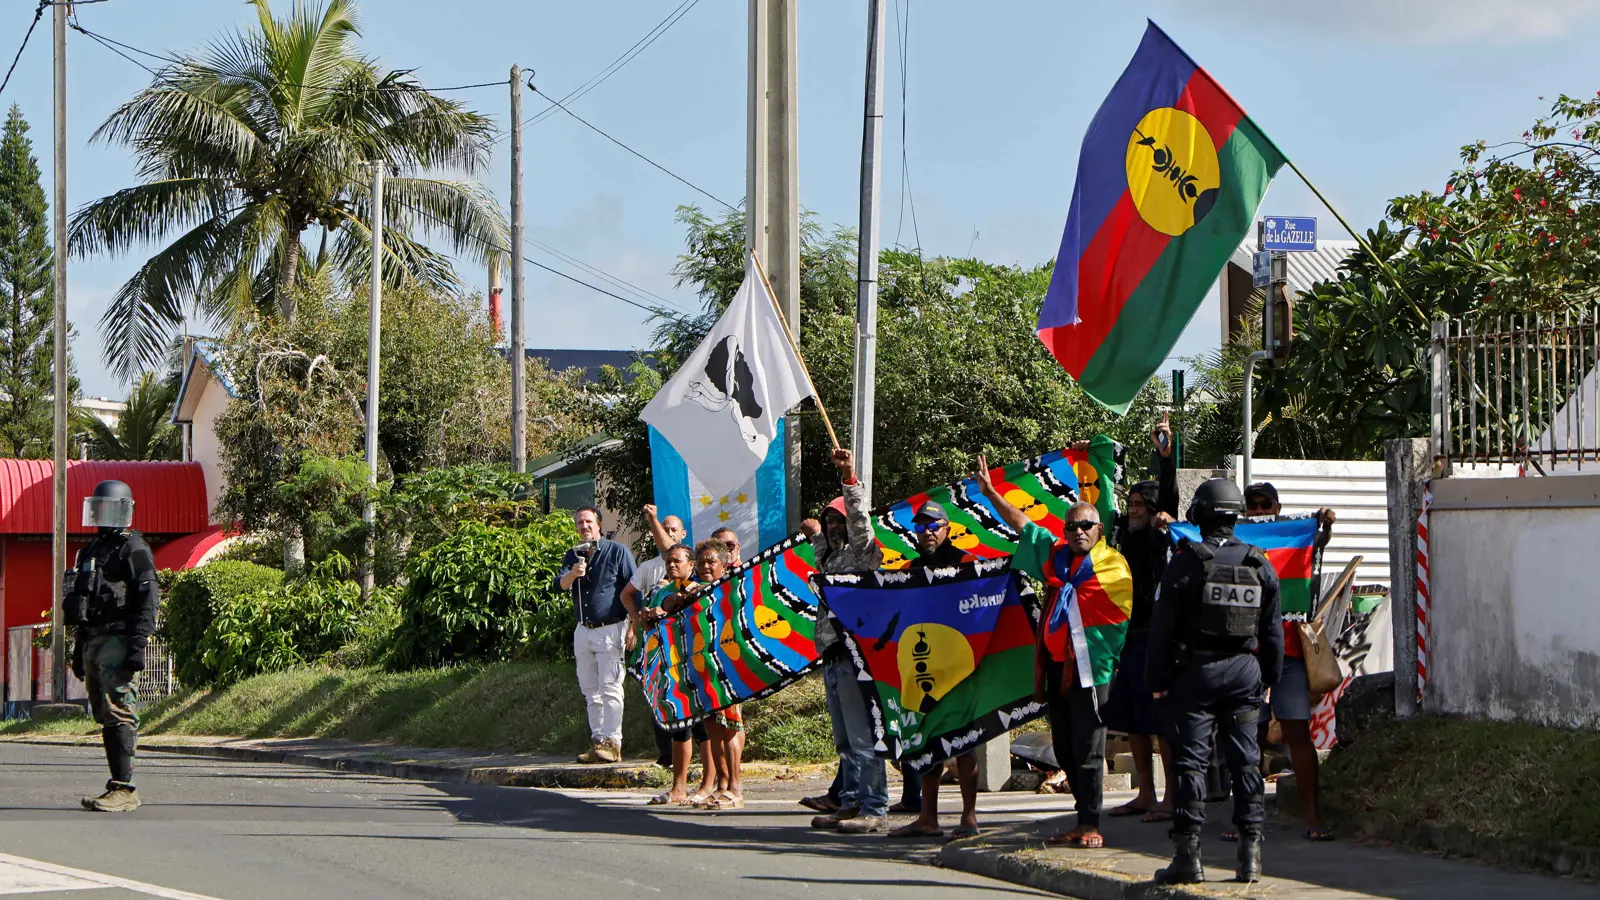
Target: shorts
pixel 1131 709
pixel 697 731
pixel 1291 696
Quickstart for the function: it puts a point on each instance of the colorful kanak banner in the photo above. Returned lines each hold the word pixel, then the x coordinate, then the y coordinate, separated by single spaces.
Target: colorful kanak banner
pixel 944 657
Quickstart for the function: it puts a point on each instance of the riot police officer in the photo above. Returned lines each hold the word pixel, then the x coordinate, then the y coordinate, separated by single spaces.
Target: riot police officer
pixel 112 598
pixel 1216 639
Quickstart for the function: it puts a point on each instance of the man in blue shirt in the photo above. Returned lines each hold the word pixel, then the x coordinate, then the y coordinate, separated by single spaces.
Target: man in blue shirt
pixel 595 572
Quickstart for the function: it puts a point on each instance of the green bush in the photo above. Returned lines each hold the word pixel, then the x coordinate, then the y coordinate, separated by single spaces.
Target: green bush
pixel 192 603
pixel 487 593
pixel 300 621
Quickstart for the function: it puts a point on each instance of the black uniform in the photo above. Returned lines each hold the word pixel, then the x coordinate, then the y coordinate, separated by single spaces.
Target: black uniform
pixel 1214 674
pixel 111 606
pixel 1130 707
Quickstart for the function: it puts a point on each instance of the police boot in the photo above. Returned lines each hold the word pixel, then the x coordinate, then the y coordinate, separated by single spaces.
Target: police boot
pixel 1185 868
pixel 1249 870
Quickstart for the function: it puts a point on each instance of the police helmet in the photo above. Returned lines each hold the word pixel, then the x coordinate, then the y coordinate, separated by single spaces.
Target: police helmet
pixel 1214 498
pixel 110 506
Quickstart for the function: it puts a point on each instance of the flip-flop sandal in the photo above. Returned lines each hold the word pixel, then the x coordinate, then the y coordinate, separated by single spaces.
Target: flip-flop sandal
pixel 661 799
pixel 725 803
pixel 902 809
pixel 696 800
pixel 1231 836
pixel 966 832
pixel 1156 815
pixel 1319 835
pixel 1129 810
pixel 1089 842
pixel 912 831
pixel 1065 838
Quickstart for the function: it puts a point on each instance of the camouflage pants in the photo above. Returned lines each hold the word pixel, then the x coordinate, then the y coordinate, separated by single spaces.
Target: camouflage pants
pixel 113 698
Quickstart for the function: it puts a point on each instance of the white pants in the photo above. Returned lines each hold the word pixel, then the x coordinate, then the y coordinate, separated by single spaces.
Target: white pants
pixel 601 668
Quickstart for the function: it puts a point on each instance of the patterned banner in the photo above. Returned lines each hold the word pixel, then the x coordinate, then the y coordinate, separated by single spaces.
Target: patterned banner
pixel 752 634
pixel 944 656
pixel 1289 542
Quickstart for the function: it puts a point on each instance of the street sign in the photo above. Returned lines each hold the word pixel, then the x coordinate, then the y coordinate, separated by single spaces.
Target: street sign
pixel 1261 268
pixel 1292 233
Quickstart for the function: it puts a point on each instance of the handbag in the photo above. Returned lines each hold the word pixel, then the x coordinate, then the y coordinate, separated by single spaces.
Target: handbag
pixel 1322 666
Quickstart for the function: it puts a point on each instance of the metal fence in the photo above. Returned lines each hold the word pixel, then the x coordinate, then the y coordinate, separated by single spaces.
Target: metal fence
pixel 1519 391
pixel 28 673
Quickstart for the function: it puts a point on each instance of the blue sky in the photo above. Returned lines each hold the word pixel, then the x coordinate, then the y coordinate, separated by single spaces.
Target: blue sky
pixel 1372 98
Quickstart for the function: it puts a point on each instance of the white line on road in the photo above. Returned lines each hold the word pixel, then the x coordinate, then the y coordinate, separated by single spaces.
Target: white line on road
pixel 19 875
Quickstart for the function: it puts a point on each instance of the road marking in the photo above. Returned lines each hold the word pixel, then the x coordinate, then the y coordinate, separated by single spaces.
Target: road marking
pixel 19 875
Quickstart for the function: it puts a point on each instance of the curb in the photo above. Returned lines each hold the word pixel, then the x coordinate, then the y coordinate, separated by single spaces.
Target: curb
pixel 613 777
pixel 1030 869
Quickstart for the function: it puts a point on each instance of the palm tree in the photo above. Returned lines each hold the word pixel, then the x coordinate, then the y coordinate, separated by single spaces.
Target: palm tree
pixel 243 149
pixel 145 430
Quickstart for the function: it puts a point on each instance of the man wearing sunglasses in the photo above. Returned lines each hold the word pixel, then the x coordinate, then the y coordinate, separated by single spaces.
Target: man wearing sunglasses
pixel 921 795
pixel 1290 701
pixel 730 540
pixel 1077 731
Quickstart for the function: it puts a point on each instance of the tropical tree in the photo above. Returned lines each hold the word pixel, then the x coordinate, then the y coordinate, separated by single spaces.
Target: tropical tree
pixel 145 430
pixel 248 146
pixel 27 300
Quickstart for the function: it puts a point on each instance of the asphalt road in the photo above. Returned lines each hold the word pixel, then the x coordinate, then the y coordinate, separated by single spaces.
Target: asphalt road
pixel 238 831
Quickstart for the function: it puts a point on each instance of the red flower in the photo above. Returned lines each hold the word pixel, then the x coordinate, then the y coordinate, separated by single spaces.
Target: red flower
pixel 1516 194
pixel 1449 187
pixel 1542 202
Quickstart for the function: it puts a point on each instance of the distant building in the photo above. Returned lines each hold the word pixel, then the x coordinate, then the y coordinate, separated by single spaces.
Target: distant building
pixel 104 408
pixel 590 361
pixel 202 397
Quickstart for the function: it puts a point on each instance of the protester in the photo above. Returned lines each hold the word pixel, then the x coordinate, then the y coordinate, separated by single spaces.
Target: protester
pixel 844 542
pixel 730 540
pixel 1141 536
pixel 726 727
pixel 1290 700
pixel 680 575
pixel 595 572
pixel 647 577
pixel 934 550
pixel 1076 728
pixel 1215 641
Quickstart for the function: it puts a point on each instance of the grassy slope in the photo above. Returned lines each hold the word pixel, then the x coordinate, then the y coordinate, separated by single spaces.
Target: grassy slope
pixel 1498 778
pixel 505 707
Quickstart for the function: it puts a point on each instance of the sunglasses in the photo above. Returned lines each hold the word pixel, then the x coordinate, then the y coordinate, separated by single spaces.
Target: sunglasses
pixel 1084 525
pixel 731 545
pixel 1259 506
pixel 925 527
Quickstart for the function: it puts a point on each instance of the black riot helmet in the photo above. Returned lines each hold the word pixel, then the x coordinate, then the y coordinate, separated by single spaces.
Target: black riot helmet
pixel 1216 499
pixel 110 507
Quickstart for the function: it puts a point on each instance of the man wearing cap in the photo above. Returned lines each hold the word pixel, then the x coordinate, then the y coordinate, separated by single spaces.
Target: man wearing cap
pixel 1141 536
pixel 934 550
pixel 844 542
pixel 1290 699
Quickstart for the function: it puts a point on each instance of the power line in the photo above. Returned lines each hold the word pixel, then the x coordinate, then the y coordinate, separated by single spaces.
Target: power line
pixel 647 159
pixel 627 56
pixel 906 192
pixel 37 15
pixel 621 283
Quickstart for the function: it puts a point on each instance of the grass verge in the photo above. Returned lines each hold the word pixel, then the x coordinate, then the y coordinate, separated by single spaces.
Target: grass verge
pixel 506 707
pixel 1498 780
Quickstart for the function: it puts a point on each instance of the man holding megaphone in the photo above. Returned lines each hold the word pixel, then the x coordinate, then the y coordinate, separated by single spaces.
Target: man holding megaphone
pixel 596 571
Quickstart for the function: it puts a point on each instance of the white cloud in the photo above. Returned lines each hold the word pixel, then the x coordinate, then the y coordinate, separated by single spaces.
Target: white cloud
pixel 1412 21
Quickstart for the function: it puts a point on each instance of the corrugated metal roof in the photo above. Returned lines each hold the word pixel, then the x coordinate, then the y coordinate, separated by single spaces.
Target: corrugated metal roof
pixel 1357 492
pixel 1306 268
pixel 169 497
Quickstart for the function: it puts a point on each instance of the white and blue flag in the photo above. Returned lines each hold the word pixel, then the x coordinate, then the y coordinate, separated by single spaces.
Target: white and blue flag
pixel 757 510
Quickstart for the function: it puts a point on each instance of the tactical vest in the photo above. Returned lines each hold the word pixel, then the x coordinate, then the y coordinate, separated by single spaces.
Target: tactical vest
pixel 1224 613
pixel 100 589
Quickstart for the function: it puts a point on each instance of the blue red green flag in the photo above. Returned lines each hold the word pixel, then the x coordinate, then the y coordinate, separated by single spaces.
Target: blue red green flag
pixel 1169 178
pixel 944 656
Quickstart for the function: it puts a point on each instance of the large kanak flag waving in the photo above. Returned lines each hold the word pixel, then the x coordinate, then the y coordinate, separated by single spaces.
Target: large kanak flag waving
pixel 721 410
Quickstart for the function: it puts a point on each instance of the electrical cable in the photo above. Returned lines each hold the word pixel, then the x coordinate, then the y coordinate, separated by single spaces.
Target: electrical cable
pixel 37 15
pixel 627 56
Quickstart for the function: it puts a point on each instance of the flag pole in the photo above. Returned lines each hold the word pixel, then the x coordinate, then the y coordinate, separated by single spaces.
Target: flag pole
pixel 1382 263
pixel 815 396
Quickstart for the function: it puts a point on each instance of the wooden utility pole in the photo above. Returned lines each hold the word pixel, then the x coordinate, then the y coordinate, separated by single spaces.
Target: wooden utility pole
pixel 519 404
pixel 772 181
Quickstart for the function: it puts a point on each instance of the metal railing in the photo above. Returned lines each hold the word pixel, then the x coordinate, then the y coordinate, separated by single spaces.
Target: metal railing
pixel 28 673
pixel 1519 391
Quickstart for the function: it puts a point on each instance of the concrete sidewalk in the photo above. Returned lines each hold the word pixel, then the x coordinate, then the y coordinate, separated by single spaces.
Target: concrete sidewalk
pixel 1296 868
pixel 416 763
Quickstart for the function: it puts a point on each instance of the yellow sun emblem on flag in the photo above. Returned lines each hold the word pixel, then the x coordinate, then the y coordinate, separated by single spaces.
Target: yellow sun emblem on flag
pixel 1173 173
pixel 933 659
pixel 1088 481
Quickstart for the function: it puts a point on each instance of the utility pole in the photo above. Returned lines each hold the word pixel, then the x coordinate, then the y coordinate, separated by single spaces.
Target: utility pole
pixel 772 181
pixel 519 404
pixel 862 423
pixel 369 515
pixel 58 634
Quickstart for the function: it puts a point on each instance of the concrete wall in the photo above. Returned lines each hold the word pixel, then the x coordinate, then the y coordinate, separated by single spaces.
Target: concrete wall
pixel 204 448
pixel 1515 613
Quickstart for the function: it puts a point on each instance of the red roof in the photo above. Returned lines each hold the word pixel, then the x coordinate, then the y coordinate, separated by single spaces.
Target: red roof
pixel 186 552
pixel 168 497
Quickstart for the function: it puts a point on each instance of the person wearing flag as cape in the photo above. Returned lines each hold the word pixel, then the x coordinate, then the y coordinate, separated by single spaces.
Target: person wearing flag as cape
pixel 1090 594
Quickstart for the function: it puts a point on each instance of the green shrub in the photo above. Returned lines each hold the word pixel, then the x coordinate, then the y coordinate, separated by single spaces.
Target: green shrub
pixel 192 603
pixel 300 621
pixel 487 593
